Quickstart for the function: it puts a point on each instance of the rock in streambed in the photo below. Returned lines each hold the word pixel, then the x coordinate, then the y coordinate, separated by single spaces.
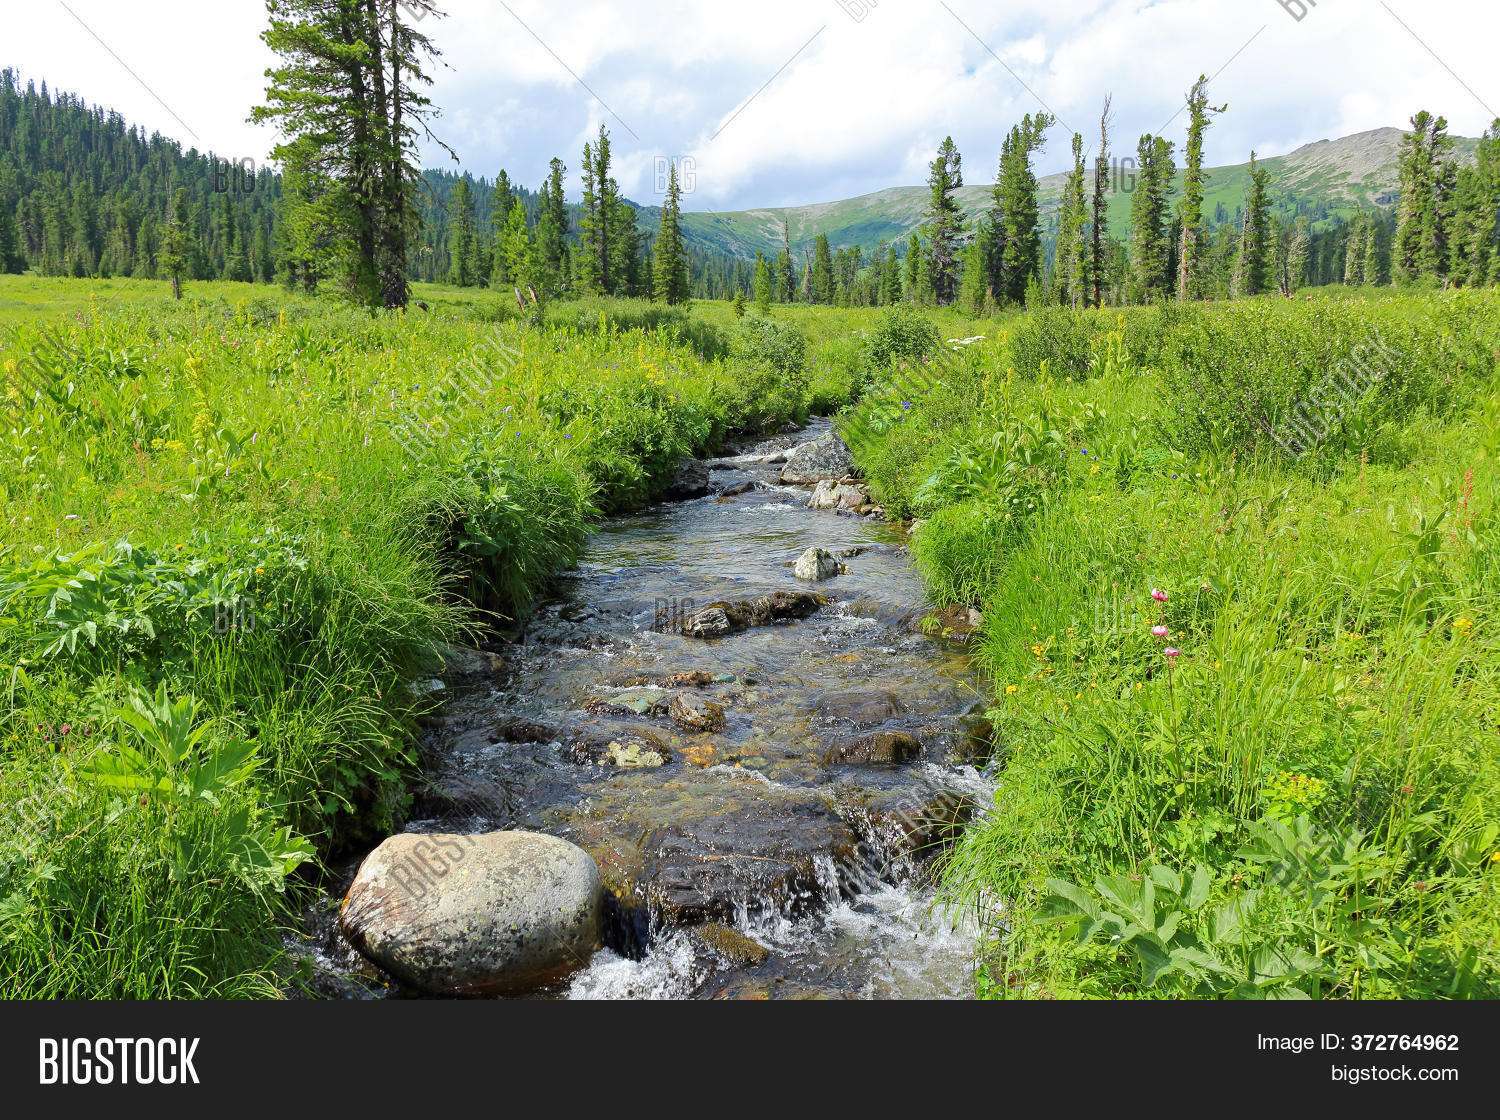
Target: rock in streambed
pixel 495 913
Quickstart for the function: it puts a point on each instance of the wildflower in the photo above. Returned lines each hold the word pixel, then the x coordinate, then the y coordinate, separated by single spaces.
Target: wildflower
pixel 1010 690
pixel 1419 887
pixel 1462 626
pixel 1495 857
pixel 1159 595
pixel 260 571
pixel 1172 651
pixel 1406 789
pixel 1158 631
pixel 906 406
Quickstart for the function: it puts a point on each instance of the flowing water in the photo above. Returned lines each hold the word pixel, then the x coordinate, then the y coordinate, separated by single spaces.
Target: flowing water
pixel 766 856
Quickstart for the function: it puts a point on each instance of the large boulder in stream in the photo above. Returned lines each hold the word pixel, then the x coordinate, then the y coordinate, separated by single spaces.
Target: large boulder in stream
pixel 689 481
pixel 825 457
pixel 490 914
pixel 729 616
pixel 816 564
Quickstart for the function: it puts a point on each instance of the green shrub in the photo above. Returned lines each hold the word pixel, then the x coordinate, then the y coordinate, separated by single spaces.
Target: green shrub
pixel 768 344
pixel 1054 339
pixel 901 334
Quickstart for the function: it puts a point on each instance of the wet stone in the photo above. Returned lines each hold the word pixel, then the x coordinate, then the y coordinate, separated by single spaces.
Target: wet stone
pixel 692 713
pixel 861 708
pixel 816 564
pixel 729 945
pixel 883 748
pixel 732 616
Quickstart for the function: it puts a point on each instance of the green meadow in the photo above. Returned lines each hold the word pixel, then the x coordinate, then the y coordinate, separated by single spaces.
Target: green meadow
pixel 1236 566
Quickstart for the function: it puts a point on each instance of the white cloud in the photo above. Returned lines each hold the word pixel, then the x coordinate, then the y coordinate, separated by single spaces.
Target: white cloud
pixel 860 108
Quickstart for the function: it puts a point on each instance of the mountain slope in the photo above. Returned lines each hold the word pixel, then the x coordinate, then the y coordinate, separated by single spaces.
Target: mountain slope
pixel 1321 180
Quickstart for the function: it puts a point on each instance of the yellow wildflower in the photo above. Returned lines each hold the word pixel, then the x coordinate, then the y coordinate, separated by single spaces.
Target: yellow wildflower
pixel 1010 690
pixel 1462 626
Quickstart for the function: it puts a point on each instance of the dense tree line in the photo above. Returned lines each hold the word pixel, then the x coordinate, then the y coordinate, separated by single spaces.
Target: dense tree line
pixel 84 194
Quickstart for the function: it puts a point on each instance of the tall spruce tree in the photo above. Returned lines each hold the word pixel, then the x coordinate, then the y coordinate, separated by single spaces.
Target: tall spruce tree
pixel 1190 207
pixel 597 223
pixel 1016 213
pixel 1427 178
pixel 670 279
pixel 1297 256
pixel 762 284
pixel 461 236
pixel 348 89
pixel 1475 237
pixel 172 257
pixel 552 231
pixel 822 271
pixel 1253 266
pixel 1150 223
pixel 944 225
pixel 1071 259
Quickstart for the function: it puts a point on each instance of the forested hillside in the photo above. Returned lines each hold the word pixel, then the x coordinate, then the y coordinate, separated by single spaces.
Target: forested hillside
pixel 83 193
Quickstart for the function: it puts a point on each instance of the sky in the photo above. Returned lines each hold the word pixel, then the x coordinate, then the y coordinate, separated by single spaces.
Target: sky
pixel 787 102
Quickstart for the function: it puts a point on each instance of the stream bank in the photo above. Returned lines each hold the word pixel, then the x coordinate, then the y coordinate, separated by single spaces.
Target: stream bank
pixel 761 765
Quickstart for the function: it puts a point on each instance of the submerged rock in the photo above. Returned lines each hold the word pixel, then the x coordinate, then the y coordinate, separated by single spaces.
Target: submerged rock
pixel 693 713
pixel 695 678
pixel 730 616
pixel 633 754
pixel 825 457
pixel 490 914
pixel 737 489
pixel 816 564
pixel 707 870
pixel 883 748
pixel 862 707
pixel 729 945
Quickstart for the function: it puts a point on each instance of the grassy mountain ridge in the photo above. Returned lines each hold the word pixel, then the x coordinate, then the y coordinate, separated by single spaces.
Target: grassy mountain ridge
pixel 1324 179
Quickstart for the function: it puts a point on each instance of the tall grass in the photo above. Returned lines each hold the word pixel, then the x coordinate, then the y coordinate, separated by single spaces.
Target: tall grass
pixel 278 513
pixel 1301 800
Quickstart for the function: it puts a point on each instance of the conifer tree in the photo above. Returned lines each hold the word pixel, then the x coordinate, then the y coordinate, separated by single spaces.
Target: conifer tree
pixel 913 266
pixel 1476 213
pixel 1427 178
pixel 670 274
pixel 596 227
pixel 1071 259
pixel 1099 213
pixel 822 271
pixel 172 257
pixel 347 91
pixel 1150 227
pixel 1354 253
pixel 515 248
pixel 1017 250
pixel 785 282
pixel 461 235
pixel 1297 255
pixel 944 221
pixel 1374 267
pixel 1190 208
pixel 552 231
pixel 762 284
pixel 1253 265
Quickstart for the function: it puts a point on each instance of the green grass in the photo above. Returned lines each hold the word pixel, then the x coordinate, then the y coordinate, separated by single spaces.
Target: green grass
pixel 237 528
pixel 277 512
pixel 1303 802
